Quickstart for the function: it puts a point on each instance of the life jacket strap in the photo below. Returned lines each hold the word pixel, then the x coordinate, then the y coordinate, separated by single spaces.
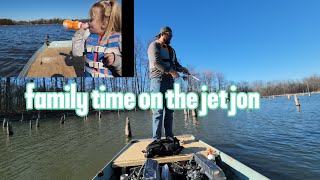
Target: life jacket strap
pixel 96 74
pixel 101 49
pixel 98 65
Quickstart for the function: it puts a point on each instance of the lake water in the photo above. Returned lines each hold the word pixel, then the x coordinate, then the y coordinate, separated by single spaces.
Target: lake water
pixel 19 43
pixel 279 141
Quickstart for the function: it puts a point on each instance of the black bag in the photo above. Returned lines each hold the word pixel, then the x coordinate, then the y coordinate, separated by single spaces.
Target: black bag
pixel 164 147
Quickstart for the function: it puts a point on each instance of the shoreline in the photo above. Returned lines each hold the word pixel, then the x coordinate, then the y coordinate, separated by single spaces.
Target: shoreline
pixel 29 24
pixel 292 94
pixel 10 22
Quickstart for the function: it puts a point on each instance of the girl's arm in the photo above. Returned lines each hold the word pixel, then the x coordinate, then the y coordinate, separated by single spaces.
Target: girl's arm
pixel 78 41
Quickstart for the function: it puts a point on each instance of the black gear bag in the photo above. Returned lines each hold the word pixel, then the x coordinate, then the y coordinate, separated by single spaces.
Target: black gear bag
pixel 163 147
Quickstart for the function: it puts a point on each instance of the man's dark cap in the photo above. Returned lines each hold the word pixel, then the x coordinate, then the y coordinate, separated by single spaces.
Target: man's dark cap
pixel 164 30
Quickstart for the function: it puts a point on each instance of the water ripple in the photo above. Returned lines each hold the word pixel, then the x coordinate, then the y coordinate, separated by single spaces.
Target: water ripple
pixel 19 43
pixel 277 141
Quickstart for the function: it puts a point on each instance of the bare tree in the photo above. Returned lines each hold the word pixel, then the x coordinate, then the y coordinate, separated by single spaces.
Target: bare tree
pixel 220 80
pixel 208 78
pixel 243 86
pixel 141 65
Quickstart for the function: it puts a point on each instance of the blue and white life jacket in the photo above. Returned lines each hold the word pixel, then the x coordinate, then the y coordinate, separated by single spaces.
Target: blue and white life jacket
pixel 96 49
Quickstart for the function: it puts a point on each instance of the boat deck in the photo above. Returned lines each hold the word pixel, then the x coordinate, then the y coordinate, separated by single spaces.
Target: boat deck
pixel 133 156
pixel 56 62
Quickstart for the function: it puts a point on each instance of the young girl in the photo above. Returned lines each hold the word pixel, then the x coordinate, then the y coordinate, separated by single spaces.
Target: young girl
pixel 102 48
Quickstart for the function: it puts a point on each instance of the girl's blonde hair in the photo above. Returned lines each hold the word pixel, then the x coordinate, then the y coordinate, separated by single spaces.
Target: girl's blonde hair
pixel 111 15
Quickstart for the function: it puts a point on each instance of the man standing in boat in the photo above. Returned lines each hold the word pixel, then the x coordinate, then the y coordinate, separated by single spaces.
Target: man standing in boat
pixel 164 67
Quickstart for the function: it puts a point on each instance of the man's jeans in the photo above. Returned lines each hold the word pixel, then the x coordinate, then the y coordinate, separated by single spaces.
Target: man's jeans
pixel 162 85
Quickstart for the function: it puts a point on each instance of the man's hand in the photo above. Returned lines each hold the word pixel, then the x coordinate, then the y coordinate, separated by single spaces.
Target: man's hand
pixel 109 59
pixel 174 73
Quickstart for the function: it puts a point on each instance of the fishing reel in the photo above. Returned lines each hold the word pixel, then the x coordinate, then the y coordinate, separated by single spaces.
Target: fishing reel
pixel 183 70
pixel 186 73
pixel 185 77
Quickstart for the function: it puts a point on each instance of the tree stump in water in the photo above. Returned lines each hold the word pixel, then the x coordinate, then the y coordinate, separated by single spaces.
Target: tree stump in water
pixel 4 123
pixel 99 114
pixel 296 99
pixel 194 113
pixel 9 129
pixel 37 123
pixel 186 112
pixel 62 119
pixel 128 128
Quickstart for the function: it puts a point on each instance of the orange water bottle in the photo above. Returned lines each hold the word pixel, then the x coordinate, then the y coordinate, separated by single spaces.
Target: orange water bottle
pixel 68 24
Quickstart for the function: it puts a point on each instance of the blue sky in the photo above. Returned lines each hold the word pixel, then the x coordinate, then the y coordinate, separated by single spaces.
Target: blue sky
pixel 36 9
pixel 245 40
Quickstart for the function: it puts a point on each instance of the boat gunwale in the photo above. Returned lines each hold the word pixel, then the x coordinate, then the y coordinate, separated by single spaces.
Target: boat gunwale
pixel 237 166
pixel 26 68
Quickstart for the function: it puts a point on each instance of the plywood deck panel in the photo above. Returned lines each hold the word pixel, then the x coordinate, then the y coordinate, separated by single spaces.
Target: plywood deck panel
pixel 57 62
pixel 133 156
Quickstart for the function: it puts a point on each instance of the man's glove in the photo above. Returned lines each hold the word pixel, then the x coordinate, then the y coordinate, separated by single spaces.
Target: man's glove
pixel 185 78
pixel 184 71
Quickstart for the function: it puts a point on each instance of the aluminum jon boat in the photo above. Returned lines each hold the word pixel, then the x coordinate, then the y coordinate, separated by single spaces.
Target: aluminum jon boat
pixel 122 166
pixel 54 59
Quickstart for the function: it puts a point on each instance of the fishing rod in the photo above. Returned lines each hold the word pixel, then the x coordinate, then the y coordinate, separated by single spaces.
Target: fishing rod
pixel 185 73
pixel 185 76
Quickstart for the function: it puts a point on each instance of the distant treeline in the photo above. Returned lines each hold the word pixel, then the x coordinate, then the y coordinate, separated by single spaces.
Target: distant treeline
pixel 12 89
pixel 38 21
pixel 269 88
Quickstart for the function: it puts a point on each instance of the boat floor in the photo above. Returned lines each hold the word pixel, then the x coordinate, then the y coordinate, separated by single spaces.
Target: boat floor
pixel 133 156
pixel 57 62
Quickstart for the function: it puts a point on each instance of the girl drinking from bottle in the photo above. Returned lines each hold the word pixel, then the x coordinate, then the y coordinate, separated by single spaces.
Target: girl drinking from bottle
pixel 102 48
